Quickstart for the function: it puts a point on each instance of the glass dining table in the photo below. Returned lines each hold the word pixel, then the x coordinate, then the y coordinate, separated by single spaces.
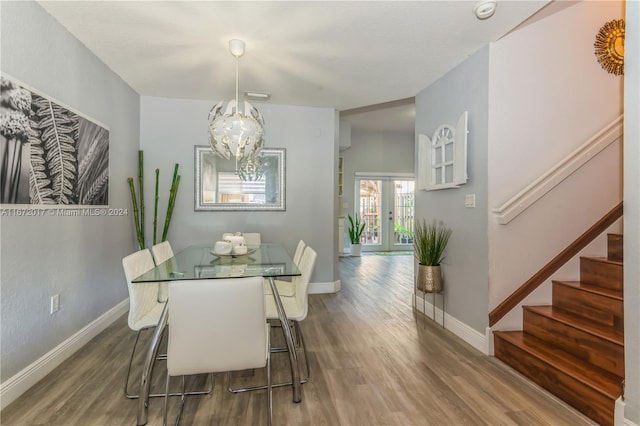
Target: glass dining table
pixel 199 262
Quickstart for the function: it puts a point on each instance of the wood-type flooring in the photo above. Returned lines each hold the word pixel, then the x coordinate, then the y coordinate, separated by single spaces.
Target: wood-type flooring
pixel 374 361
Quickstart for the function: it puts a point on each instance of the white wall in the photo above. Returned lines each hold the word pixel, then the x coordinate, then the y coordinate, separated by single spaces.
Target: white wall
pixel 169 130
pixel 378 152
pixel 465 267
pixel 547 96
pixel 78 258
pixel 632 212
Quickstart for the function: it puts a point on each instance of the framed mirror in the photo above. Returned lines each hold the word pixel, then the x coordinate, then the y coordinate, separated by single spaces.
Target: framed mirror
pixel 219 188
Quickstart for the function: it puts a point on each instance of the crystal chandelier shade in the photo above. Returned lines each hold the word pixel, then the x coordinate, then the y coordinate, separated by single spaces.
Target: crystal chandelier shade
pixel 234 133
pixel 236 129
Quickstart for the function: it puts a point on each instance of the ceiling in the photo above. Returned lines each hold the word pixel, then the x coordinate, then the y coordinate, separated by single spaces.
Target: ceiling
pixel 348 55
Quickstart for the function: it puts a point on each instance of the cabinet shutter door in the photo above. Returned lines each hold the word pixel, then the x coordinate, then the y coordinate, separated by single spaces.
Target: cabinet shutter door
pixel 424 162
pixel 460 175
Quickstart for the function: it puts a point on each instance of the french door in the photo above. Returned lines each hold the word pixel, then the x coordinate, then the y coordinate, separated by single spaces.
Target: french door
pixel 386 205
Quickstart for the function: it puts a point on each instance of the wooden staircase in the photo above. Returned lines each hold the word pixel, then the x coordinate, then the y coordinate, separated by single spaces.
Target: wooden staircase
pixel 574 348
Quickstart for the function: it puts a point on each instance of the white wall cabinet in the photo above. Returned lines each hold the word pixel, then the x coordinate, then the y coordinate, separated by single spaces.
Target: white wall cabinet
pixel 442 160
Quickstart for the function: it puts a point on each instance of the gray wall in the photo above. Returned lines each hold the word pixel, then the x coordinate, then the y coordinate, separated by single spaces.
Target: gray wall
pixel 465 267
pixel 631 212
pixel 378 152
pixel 76 257
pixel 170 128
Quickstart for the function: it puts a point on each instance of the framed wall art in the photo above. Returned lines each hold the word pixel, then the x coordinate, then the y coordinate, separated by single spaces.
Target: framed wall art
pixel 50 155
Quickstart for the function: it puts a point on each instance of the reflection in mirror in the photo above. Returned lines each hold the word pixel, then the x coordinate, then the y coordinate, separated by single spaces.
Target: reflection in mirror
pixel 218 186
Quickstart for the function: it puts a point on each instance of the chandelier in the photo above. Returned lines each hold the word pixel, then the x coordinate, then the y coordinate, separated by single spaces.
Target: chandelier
pixel 236 129
pixel 251 169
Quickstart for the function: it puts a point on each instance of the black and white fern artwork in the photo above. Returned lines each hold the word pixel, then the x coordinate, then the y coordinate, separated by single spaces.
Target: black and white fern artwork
pixel 49 155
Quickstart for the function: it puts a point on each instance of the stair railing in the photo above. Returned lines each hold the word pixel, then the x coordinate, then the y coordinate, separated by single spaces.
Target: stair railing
pixel 554 176
pixel 556 263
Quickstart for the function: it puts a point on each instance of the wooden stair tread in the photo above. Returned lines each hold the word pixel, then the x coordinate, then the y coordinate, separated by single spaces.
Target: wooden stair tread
pixel 595 378
pixel 602 291
pixel 603 260
pixel 604 332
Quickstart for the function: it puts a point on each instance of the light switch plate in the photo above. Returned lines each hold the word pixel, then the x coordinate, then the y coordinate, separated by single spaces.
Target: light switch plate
pixel 470 201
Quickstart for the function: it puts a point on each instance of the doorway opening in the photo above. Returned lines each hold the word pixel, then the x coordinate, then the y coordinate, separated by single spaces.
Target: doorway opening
pixel 386 206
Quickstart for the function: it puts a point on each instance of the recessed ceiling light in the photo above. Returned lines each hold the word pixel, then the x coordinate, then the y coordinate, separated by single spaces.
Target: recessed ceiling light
pixel 258 96
pixel 485 9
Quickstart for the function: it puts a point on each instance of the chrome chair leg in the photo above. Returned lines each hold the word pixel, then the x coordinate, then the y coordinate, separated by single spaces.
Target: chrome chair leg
pixel 160 357
pixel 304 350
pixel 126 380
pixel 166 400
pixel 269 390
pixel 300 340
pixel 296 341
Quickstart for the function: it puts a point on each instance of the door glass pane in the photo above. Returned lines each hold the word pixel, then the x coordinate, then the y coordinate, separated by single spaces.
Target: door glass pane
pixel 370 209
pixel 403 211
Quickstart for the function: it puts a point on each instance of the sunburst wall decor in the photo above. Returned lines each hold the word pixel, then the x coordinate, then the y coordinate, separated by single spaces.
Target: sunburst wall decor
pixel 609 46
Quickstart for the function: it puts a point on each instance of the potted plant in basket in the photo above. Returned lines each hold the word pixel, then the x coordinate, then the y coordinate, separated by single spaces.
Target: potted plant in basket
pixel 356 228
pixel 429 242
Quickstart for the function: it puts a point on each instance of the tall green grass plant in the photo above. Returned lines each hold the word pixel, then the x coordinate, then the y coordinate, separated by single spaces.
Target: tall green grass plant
pixel 430 241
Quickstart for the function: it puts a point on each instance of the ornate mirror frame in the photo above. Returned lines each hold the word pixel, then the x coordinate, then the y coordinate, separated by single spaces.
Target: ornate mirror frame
pixel 267 194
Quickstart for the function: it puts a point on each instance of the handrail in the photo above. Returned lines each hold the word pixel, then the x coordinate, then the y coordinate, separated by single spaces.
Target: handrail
pixel 550 268
pixel 567 166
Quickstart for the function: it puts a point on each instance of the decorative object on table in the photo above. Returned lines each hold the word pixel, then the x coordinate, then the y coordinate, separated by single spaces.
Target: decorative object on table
pixel 609 46
pixel 429 243
pixel 356 228
pixel 235 239
pixel 50 154
pixel 240 249
pixel 236 129
pixel 442 160
pixel 222 248
pixel 238 243
pixel 234 253
pixel 139 208
pixel 219 186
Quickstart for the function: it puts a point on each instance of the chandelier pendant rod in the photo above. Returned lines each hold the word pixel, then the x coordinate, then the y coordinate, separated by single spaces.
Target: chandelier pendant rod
pixel 237 105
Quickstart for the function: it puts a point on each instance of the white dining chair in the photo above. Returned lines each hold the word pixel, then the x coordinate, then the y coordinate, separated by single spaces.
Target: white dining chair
pixel 252 239
pixel 287 287
pixel 296 308
pixel 145 310
pixel 217 326
pixel 161 253
pixel 144 307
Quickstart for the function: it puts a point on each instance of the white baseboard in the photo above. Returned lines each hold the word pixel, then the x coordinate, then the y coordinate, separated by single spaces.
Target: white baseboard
pixel 488 335
pixel 15 386
pixel 457 327
pixel 323 288
pixel 618 414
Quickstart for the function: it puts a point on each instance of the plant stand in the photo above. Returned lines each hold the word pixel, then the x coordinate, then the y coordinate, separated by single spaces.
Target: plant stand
pixel 433 305
pixel 430 279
